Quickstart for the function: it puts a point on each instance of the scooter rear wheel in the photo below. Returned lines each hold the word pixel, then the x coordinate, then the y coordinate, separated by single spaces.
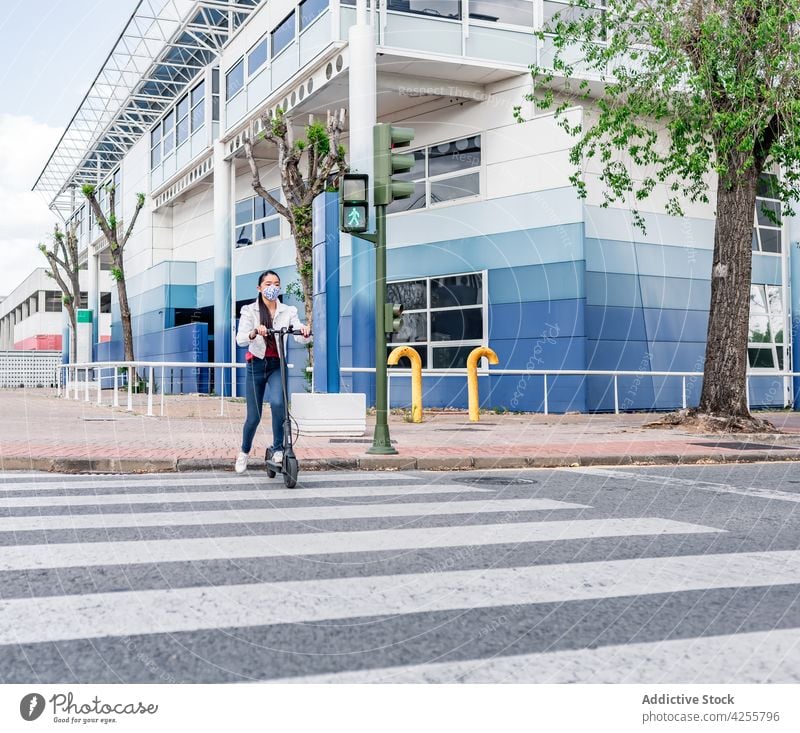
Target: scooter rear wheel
pixel 290 473
pixel 270 472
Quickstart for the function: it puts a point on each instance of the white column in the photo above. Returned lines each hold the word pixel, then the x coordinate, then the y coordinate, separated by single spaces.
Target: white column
pixel 92 291
pixel 362 97
pixel 222 265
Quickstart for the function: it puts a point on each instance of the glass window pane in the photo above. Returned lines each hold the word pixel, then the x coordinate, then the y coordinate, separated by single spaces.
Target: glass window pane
pixel 456 290
pixel 758 301
pixel 244 211
pixel 779 354
pixel 413 330
pixel 183 107
pixel 765 209
pixel 411 293
pixel 268 229
pixel 198 117
pixel 415 201
pixel 450 189
pixel 234 80
pixel 755 239
pixel 257 57
pixel 770 240
pixel 777 329
pixel 169 133
pixel 215 108
pixel 451 357
pixel 182 130
pixel 155 135
pixel 198 93
pixel 263 208
pixel 768 186
pixel 774 299
pixel 311 9
pixel 457 325
pixel 515 12
pixel 155 156
pixel 455 156
pixel 760 358
pixel 244 235
pixel 283 35
pixel 438 8
pixel 759 330
pixel 215 81
pixel 405 363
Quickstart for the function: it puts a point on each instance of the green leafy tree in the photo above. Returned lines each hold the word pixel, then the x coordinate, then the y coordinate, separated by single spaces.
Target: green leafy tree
pixel 682 94
pixel 324 157
pixel 116 236
pixel 62 256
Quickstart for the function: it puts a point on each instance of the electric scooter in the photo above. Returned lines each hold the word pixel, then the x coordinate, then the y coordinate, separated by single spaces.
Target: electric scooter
pixel 288 466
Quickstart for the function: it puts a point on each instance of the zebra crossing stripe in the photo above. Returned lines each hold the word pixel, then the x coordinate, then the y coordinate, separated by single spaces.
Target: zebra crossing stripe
pixel 227 495
pixel 58 618
pixel 279 514
pixel 80 554
pixel 747 658
pixel 251 479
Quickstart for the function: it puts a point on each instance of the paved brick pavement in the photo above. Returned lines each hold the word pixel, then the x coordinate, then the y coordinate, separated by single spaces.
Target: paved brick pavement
pixel 39 431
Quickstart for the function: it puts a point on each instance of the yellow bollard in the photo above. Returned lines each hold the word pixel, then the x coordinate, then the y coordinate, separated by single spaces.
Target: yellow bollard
pixel 472 378
pixel 416 377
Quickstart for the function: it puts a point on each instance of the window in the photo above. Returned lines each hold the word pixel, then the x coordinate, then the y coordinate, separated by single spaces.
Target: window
pixel 257 57
pixel 767 218
pixel 444 318
pixel 438 8
pixel 566 12
pixel 167 133
pixel 182 125
pixel 234 80
pixel 283 35
pixel 443 172
pixel 198 100
pixel 255 220
pixel 765 342
pixel 155 146
pixel 53 302
pixel 513 12
pixel 310 10
pixel 215 95
pixel 105 302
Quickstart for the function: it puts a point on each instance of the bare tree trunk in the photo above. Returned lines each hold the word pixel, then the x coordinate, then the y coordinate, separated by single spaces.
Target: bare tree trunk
pixel 303 242
pixel 73 338
pixel 124 312
pixel 724 382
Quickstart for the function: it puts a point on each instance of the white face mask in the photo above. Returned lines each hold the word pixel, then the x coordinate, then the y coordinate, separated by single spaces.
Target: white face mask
pixel 271 292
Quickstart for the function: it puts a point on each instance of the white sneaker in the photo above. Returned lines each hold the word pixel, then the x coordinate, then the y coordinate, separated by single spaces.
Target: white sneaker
pixel 241 462
pixel 277 457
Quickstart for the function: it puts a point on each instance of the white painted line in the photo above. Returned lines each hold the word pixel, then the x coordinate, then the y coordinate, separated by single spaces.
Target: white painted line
pixel 282 514
pixel 749 658
pixel 252 479
pixel 690 483
pixel 225 495
pixel 194 549
pixel 29 620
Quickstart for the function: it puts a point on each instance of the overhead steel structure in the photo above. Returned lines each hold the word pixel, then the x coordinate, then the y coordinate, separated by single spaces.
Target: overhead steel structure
pixel 164 45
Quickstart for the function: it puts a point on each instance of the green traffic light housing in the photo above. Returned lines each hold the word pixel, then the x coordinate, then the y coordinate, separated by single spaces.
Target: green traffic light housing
pixel 393 317
pixel 354 203
pixel 387 163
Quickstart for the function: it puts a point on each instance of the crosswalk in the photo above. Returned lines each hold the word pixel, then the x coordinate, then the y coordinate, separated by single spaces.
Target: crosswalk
pixel 378 577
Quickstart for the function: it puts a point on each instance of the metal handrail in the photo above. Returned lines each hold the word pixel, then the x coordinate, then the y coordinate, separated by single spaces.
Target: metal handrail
pixel 99 367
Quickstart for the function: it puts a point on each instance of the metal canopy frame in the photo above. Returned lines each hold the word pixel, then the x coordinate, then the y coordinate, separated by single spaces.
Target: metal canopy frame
pixel 163 47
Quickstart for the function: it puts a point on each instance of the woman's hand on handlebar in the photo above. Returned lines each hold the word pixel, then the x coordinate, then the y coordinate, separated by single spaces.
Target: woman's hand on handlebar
pixel 304 330
pixel 261 330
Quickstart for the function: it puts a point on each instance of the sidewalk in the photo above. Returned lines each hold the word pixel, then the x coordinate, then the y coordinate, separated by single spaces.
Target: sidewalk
pixel 39 431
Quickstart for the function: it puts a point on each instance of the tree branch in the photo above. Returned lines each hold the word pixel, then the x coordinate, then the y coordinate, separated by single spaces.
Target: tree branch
pixel 139 205
pixel 256 183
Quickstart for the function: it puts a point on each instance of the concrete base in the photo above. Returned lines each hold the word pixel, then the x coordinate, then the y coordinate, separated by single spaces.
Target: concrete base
pixel 330 414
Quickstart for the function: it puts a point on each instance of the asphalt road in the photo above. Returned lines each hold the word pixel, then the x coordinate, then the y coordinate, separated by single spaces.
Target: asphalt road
pixel 651 575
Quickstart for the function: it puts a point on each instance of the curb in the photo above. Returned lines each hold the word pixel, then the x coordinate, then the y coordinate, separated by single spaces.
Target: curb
pixel 389 463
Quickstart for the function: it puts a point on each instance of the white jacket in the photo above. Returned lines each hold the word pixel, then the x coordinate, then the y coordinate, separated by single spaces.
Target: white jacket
pixel 250 317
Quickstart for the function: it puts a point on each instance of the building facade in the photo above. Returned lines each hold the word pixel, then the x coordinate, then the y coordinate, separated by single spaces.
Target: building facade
pixel 495 248
pixel 33 316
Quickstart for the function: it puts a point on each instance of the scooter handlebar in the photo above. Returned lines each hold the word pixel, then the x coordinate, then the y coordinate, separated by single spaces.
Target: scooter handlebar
pixel 284 330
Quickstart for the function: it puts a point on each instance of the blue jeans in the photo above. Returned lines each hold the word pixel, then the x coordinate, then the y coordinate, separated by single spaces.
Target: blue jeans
pixel 259 374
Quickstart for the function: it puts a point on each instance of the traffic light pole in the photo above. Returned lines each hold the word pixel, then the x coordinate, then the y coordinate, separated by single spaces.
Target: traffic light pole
pixel 381 442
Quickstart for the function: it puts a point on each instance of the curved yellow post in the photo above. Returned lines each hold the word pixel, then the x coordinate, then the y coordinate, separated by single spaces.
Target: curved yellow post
pixel 472 378
pixel 416 377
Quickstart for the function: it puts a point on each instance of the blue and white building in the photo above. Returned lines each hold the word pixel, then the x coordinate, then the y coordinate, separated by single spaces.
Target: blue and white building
pixel 495 248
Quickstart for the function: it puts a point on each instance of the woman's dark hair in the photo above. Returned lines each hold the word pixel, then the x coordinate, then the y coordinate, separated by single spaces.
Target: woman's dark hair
pixel 268 272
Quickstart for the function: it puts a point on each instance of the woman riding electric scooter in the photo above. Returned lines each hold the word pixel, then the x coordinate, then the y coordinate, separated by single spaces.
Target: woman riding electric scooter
pixel 263 363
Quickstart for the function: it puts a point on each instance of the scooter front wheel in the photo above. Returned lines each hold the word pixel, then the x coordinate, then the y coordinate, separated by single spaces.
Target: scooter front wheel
pixel 290 473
